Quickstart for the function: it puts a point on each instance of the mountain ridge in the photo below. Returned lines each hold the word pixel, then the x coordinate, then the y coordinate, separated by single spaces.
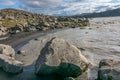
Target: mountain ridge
pixel 108 13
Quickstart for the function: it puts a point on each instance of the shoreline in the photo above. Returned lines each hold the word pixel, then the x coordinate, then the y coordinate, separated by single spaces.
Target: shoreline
pixel 22 38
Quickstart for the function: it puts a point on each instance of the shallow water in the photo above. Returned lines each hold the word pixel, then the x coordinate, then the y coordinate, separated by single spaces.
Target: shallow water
pixel 26 75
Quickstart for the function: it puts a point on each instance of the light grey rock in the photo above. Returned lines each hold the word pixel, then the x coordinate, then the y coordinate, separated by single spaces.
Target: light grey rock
pixel 60 57
pixel 46 24
pixel 109 70
pixel 2 30
pixel 10 65
pixel 7 50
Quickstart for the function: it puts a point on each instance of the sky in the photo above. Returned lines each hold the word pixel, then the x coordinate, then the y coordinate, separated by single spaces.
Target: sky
pixel 61 7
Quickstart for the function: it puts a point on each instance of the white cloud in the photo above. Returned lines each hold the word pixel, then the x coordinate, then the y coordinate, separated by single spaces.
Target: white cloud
pixel 7 3
pixel 99 0
pixel 40 3
pixel 69 7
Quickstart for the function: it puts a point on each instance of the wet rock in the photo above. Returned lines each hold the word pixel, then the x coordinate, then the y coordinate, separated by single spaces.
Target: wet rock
pixel 7 50
pixel 10 65
pixel 60 57
pixel 109 70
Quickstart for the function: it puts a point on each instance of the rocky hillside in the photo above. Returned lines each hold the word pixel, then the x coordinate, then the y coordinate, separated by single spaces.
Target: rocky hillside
pixel 13 21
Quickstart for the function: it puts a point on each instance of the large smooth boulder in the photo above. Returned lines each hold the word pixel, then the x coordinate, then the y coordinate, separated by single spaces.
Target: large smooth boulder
pixel 109 70
pixel 7 50
pixel 10 65
pixel 60 57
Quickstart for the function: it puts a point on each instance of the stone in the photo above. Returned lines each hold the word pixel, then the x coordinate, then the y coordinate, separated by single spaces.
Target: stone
pixel 22 52
pixel 7 50
pixel 10 65
pixel 2 31
pixel 60 57
pixel 46 24
pixel 45 28
pixel 109 70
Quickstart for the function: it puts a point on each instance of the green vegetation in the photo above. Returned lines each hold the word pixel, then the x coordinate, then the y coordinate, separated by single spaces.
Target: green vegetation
pixel 9 23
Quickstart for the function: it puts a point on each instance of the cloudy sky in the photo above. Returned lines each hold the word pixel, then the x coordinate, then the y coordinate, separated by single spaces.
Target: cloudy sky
pixel 61 7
